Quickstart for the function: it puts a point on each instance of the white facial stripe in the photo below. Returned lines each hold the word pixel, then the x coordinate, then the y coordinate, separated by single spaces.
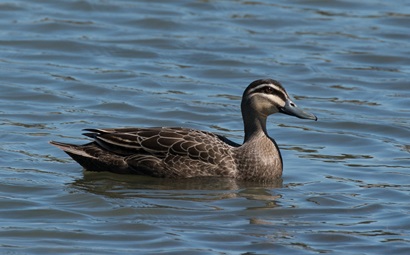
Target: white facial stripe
pixel 258 87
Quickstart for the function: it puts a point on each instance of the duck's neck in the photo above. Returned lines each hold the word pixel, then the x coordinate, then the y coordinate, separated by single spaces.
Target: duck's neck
pixel 255 125
pixel 259 156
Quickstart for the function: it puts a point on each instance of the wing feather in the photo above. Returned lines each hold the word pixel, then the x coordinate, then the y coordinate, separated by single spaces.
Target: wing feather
pixel 163 142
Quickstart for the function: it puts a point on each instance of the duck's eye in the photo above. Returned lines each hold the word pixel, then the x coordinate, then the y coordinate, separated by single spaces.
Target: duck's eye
pixel 268 90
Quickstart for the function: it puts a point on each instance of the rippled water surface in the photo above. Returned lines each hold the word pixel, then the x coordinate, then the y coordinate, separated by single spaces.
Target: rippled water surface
pixel 69 65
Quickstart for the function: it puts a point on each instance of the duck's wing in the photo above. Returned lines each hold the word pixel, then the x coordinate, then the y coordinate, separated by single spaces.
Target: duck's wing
pixel 162 142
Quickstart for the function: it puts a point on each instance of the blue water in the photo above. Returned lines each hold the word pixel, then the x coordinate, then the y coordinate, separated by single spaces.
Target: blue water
pixel 69 65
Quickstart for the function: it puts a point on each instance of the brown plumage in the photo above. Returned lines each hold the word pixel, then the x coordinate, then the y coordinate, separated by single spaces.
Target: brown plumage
pixel 184 153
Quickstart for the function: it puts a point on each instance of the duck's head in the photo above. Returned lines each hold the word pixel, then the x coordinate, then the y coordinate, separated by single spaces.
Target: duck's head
pixel 266 96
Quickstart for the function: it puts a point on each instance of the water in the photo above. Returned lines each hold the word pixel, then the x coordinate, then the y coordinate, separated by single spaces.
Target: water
pixel 69 65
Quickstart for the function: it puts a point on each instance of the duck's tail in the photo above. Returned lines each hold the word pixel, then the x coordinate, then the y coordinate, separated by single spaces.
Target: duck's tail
pixel 93 158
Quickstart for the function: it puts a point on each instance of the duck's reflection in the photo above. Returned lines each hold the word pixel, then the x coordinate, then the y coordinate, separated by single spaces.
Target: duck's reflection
pixel 209 188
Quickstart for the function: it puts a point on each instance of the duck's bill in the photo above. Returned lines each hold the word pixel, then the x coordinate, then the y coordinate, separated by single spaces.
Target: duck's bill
pixel 291 108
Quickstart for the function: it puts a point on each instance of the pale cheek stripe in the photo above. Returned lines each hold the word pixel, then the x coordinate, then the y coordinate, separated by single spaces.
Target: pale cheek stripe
pixel 276 100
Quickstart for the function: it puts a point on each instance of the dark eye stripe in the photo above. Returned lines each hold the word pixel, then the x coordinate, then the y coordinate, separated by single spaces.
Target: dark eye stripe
pixel 275 91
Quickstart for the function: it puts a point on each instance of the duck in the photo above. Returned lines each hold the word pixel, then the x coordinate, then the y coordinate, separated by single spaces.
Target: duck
pixel 176 152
